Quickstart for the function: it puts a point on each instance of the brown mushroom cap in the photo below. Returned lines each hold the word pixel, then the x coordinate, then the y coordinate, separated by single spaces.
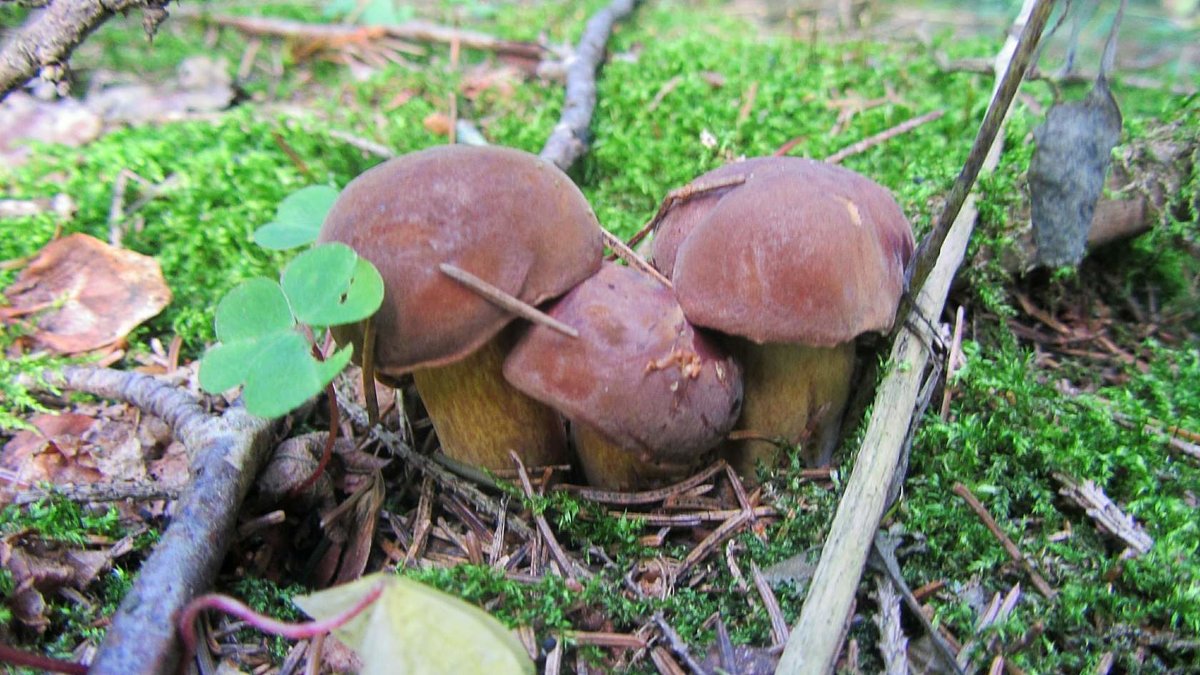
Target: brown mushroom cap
pixel 803 251
pixel 506 216
pixel 638 372
pixel 685 214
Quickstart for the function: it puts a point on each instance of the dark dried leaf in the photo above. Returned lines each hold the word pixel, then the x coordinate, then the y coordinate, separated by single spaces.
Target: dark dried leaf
pixel 1066 175
pixel 87 294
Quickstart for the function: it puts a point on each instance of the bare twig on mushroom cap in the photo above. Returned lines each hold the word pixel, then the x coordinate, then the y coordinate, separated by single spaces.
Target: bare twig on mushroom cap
pixel 505 301
pixel 678 195
pixel 631 257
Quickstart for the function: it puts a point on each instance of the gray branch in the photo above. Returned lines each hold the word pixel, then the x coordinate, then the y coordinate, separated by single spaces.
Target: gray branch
pixel 43 45
pixel 568 141
pixel 226 452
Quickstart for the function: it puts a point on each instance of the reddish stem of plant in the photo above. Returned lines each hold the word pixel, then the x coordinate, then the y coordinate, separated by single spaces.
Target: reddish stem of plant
pixel 18 657
pixel 327 451
pixel 331 438
pixel 291 631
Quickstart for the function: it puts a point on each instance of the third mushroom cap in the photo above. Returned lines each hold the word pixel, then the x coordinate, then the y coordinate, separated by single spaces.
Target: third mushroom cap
pixel 797 261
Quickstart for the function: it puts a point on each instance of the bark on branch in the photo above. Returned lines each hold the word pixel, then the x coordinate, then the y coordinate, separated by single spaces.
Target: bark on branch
pixel 226 453
pixel 43 45
pixel 569 140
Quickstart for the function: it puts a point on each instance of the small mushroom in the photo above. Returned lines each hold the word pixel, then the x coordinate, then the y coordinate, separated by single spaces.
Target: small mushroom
pixel 504 216
pixel 648 397
pixel 797 261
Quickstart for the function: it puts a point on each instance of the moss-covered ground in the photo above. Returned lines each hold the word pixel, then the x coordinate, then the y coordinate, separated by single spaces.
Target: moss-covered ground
pixel 691 86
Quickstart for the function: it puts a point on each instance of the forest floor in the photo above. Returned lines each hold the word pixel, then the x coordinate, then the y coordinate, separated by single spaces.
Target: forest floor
pixel 1072 392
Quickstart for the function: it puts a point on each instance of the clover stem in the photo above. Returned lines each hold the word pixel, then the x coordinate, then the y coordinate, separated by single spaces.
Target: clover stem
pixel 330 438
pixel 291 631
pixel 368 372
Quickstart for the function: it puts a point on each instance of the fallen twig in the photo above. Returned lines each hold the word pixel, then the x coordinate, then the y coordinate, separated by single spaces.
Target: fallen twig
pixel 779 627
pixel 1074 77
pixel 567 142
pixel 883 136
pixel 677 644
pixel 421 31
pixel 1013 552
pixel 1108 516
pixel 632 258
pixel 44 43
pixel 429 467
pixel 569 569
pixel 649 496
pixel 101 492
pixel 505 301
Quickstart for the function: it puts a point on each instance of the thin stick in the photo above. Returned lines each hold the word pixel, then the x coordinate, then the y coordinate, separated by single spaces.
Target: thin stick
pixel 368 372
pixel 422 31
pixel 954 361
pixel 679 195
pixel 560 556
pixel 1013 552
pixel 713 540
pixel 505 301
pixel 779 627
pixel 469 492
pixel 566 142
pixel 102 492
pixel 884 136
pixel 698 517
pixel 677 644
pixel 618 640
pixel 631 256
pixel 649 496
pixel 926 254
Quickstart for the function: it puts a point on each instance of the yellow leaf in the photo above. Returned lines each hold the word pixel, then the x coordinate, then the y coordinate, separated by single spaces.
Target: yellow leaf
pixel 415 629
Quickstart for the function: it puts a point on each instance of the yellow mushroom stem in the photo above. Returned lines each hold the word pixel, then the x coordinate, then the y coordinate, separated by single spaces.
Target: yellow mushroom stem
pixel 608 466
pixel 795 394
pixel 479 417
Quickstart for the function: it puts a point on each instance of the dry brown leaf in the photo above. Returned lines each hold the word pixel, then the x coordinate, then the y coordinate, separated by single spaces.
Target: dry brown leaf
pixel 51 453
pixel 86 294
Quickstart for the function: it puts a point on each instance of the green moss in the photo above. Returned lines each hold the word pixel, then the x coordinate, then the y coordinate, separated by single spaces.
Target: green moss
pixel 1007 419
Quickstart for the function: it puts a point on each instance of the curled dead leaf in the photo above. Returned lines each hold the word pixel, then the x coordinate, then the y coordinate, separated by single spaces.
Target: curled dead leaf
pixel 86 294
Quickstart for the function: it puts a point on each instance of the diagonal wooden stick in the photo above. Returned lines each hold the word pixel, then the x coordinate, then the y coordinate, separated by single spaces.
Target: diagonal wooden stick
pixel 505 301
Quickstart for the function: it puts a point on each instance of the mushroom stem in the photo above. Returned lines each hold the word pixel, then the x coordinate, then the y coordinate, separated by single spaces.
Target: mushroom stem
pixel 792 392
pixel 479 417
pixel 608 466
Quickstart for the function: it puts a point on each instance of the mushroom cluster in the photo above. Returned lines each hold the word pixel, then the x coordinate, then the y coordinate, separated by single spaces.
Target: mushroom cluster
pixel 774 275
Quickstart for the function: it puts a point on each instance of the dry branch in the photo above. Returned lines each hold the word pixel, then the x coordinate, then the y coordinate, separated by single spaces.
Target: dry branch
pixel 817 637
pixel 1108 516
pixel 43 45
pixel 1009 546
pixel 568 140
pixel 226 453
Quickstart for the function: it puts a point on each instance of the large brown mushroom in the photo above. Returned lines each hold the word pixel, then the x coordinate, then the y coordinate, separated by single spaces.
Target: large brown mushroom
pixel 648 397
pixel 504 216
pixel 797 261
